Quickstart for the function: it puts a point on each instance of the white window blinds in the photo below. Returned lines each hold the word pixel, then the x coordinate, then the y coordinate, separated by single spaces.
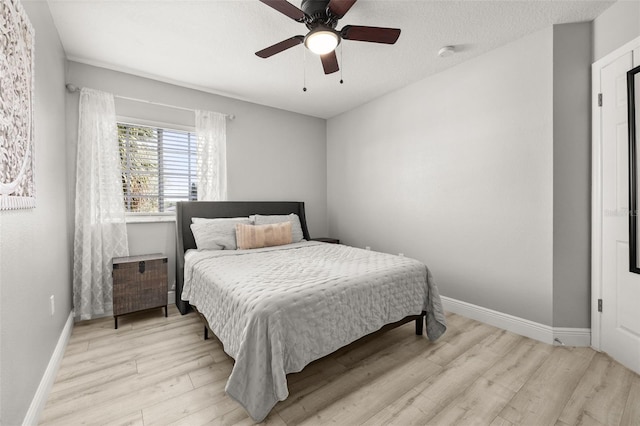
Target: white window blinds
pixel 158 167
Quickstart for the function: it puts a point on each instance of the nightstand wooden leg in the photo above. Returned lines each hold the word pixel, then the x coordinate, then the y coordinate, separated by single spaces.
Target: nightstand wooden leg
pixel 419 325
pixel 206 333
pixel 116 321
pixel 165 311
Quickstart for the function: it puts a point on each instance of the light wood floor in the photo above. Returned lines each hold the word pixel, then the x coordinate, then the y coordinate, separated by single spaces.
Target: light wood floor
pixel 156 370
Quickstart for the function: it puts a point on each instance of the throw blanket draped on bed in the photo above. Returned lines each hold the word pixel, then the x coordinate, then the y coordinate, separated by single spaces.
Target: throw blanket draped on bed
pixel 277 309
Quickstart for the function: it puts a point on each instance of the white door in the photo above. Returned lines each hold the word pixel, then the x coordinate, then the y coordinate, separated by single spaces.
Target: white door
pixel 620 289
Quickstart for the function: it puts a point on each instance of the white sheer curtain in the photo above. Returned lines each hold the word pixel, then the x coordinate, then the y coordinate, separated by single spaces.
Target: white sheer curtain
pixel 100 229
pixel 211 132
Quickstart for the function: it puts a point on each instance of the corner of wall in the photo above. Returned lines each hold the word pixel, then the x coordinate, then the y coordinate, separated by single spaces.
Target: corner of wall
pixel 571 174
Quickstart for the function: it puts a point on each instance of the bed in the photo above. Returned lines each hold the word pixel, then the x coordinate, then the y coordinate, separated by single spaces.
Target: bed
pixel 276 309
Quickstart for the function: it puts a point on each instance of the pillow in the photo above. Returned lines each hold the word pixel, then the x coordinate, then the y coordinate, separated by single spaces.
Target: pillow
pixel 219 219
pixel 296 228
pixel 216 234
pixel 257 236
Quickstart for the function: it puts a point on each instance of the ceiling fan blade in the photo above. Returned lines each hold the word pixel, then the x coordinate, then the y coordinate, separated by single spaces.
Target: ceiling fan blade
pixel 279 47
pixel 339 8
pixel 371 34
pixel 330 62
pixel 286 8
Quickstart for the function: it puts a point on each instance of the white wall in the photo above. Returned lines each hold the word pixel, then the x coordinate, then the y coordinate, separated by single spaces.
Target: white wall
pixel 154 237
pixel 457 171
pixel 271 154
pixel 616 26
pixel 35 245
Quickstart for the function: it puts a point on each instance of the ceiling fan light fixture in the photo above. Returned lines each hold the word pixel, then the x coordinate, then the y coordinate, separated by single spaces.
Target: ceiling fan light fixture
pixel 322 40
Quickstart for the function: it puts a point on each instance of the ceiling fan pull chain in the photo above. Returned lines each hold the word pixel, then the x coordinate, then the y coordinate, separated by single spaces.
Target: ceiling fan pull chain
pixel 341 63
pixel 304 70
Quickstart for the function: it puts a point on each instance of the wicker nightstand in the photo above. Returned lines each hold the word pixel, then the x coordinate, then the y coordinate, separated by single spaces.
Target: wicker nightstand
pixel 139 283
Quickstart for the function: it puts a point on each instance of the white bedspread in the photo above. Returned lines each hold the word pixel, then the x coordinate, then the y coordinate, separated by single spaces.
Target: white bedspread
pixel 277 309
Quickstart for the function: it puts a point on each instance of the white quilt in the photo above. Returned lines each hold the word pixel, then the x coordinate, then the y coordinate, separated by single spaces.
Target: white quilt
pixel 277 309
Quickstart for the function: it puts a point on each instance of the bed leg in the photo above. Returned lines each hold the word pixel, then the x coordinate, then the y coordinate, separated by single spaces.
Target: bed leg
pixel 206 333
pixel 419 325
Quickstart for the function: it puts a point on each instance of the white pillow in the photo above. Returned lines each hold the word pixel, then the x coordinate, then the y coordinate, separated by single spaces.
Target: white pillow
pixel 219 219
pixel 296 228
pixel 216 234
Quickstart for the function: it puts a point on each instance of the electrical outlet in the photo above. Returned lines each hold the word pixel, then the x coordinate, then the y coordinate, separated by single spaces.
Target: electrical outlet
pixel 401 254
pixel 367 248
pixel 52 301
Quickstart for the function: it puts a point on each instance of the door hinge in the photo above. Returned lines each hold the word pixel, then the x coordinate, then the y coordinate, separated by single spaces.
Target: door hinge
pixel 599 99
pixel 599 305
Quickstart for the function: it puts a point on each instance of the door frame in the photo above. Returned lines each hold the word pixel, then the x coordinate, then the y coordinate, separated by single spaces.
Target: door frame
pixel 596 182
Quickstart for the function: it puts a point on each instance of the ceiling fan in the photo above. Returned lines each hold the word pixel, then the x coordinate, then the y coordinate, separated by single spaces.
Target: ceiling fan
pixel 321 18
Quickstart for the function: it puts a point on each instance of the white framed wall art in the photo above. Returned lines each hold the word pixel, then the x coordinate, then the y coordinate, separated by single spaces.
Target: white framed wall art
pixel 17 48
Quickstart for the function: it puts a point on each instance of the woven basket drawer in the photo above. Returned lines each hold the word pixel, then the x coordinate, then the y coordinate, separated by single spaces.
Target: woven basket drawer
pixel 139 282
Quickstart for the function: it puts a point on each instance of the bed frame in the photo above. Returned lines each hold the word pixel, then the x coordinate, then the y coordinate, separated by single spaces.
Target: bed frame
pixel 225 209
pixel 219 209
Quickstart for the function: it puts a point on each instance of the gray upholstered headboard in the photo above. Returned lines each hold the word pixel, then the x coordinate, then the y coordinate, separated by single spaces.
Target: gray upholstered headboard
pixel 212 209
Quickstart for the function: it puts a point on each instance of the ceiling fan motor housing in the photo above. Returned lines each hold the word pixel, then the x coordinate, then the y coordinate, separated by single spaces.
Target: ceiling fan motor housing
pixel 317 14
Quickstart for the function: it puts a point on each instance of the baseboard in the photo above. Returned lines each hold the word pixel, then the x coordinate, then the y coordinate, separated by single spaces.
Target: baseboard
pixel 572 336
pixel 171 297
pixel 49 376
pixel 521 326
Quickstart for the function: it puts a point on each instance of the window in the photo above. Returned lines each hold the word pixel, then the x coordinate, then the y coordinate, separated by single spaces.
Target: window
pixel 158 167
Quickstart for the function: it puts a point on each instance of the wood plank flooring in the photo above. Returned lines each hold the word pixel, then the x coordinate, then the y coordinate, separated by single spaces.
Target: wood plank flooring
pixel 159 371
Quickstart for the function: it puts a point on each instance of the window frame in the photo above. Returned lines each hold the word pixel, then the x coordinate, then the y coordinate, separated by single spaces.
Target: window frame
pixel 149 217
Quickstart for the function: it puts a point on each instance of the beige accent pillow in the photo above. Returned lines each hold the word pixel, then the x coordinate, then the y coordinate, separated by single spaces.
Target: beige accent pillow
pixel 257 236
pixel 296 227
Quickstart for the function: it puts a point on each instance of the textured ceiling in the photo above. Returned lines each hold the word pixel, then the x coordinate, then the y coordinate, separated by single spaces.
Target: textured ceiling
pixel 210 44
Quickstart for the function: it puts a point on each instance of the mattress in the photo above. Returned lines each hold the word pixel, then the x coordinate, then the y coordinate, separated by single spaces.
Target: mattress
pixel 277 309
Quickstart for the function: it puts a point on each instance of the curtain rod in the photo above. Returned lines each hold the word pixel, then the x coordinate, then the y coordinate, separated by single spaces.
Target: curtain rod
pixel 73 88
